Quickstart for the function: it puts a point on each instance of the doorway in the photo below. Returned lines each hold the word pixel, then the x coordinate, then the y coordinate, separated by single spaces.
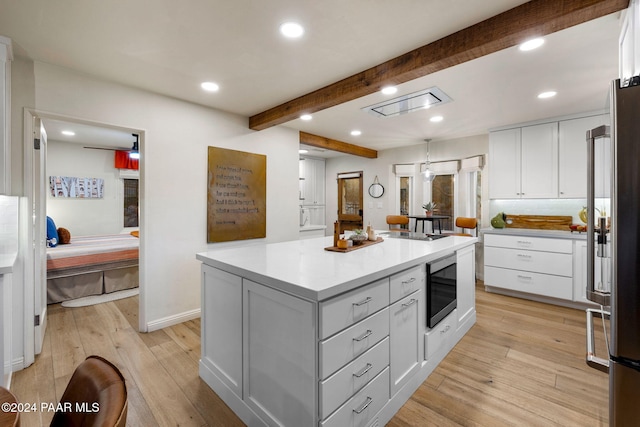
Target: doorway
pixel 350 201
pixel 36 188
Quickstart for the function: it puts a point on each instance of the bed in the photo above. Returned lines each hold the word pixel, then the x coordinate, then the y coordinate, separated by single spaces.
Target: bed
pixel 92 265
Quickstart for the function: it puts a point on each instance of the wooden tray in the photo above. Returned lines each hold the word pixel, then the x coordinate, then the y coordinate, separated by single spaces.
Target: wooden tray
pixel 354 247
pixel 540 222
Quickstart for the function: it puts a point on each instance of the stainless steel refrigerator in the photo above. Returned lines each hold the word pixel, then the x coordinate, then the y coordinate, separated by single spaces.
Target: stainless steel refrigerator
pixel 613 251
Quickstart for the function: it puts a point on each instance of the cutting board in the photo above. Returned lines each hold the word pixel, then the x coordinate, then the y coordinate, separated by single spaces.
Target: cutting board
pixel 540 222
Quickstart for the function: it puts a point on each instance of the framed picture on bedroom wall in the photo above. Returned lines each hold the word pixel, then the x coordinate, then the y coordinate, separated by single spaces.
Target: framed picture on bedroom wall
pixel 73 187
pixel 236 195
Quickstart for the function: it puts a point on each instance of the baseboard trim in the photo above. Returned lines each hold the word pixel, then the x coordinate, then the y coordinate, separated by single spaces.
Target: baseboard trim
pixel 172 320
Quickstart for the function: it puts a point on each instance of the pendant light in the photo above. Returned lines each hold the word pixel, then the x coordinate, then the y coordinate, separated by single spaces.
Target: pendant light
pixel 426 173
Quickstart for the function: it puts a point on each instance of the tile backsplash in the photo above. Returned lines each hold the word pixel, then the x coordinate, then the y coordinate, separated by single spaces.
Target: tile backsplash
pixel 8 224
pixel 538 207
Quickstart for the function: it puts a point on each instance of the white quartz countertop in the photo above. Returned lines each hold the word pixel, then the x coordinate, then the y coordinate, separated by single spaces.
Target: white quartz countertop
pixel 6 262
pixel 303 268
pixel 555 234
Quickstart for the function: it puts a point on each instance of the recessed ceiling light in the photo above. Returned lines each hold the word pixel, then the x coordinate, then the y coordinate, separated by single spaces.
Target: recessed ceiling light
pixel 210 86
pixel 292 30
pixel 436 119
pixel 303 151
pixel 389 90
pixel 549 94
pixel 356 133
pixel 68 132
pixel 306 117
pixel 531 44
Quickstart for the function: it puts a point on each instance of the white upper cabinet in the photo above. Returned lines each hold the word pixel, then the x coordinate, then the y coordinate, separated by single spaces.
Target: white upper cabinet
pixel 312 177
pixel 539 161
pixel 572 150
pixel 5 115
pixel 524 162
pixel 504 164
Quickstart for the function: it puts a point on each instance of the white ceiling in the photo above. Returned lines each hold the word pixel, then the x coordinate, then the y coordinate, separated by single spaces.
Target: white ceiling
pixel 170 47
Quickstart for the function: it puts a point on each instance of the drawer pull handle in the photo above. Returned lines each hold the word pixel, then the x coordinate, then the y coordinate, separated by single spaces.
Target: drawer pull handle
pixel 407 304
pixel 406 282
pixel 524 256
pixel 524 242
pixel 363 302
pixel 363 336
pixel 363 371
pixel 520 276
pixel 445 330
pixel 363 407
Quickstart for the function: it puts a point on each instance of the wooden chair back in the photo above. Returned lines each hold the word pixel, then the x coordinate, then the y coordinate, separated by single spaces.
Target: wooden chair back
pixel 466 224
pixel 397 222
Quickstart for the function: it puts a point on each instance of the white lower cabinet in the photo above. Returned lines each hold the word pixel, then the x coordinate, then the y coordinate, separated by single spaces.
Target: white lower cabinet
pixel 222 322
pixel 529 282
pixel 540 266
pixel 282 360
pixel 343 347
pixel 466 283
pixel 279 356
pixel 339 387
pixel 406 317
pixel 363 406
pixel 441 335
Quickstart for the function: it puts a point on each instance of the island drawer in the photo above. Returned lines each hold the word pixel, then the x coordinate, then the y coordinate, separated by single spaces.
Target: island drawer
pixel 406 282
pixel 345 310
pixel 539 262
pixel 443 332
pixel 339 387
pixel 342 348
pixel 361 408
pixel 533 283
pixel 564 246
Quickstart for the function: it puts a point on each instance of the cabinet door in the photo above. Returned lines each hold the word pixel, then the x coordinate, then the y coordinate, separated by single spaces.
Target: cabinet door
pixel 221 326
pixel 319 184
pixel 406 351
pixel 279 358
pixel 572 154
pixel 466 283
pixel 504 164
pixel 539 161
pixel 312 172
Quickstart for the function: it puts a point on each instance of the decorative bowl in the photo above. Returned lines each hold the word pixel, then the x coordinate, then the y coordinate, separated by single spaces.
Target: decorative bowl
pixel 358 239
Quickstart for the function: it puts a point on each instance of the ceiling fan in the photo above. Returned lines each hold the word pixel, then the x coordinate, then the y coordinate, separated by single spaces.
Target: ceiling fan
pixel 134 153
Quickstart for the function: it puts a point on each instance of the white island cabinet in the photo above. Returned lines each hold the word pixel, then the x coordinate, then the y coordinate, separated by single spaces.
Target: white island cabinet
pixel 293 335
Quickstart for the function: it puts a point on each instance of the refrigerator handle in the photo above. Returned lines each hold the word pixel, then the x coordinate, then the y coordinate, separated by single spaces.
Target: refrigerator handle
pixel 593 134
pixel 592 360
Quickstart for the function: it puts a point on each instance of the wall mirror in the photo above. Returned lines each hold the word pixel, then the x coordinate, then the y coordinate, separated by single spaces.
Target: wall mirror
pixel 376 189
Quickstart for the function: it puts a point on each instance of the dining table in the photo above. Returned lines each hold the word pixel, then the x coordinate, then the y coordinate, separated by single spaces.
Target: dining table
pixel 430 218
pixel 9 415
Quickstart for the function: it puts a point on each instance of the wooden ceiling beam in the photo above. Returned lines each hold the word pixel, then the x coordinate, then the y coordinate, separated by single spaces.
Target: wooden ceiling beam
pixel 532 19
pixel 334 145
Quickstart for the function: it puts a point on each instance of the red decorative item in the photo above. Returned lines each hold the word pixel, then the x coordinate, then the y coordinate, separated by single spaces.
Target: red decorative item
pixel 123 161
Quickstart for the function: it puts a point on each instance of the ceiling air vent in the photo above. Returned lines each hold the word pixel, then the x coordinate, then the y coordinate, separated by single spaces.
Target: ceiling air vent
pixel 426 98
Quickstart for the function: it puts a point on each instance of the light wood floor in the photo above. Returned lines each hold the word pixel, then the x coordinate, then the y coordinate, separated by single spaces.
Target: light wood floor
pixel 522 364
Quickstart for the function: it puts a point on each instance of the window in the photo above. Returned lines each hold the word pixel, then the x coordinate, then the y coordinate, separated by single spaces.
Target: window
pixel 443 195
pixel 131 202
pixel 405 195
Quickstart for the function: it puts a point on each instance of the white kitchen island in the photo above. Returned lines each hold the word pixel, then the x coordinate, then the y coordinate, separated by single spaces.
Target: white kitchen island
pixel 294 335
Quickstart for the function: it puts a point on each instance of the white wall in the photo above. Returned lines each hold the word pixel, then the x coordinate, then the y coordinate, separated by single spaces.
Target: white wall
pixel 85 217
pixel 174 140
pixel 376 210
